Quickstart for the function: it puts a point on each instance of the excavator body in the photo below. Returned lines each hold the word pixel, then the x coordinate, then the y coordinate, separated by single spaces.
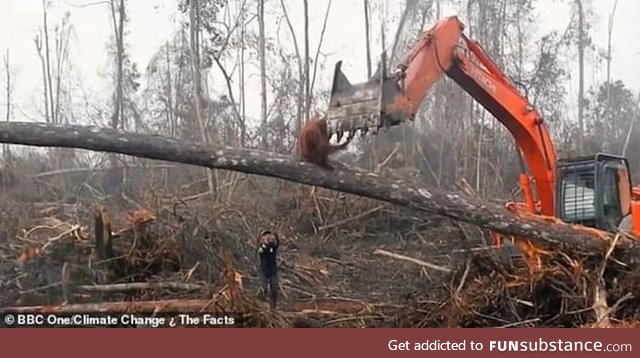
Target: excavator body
pixel 594 192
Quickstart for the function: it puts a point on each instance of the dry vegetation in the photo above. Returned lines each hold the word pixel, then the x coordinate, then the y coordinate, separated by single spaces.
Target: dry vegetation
pixel 189 252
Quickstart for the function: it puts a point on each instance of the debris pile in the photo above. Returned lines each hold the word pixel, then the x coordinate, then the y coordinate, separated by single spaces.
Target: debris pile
pixel 344 261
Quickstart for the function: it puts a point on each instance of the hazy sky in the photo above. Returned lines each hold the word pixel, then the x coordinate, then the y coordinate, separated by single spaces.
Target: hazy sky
pixel 152 21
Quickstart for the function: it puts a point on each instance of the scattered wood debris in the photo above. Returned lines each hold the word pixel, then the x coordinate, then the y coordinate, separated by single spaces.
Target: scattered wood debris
pixel 197 256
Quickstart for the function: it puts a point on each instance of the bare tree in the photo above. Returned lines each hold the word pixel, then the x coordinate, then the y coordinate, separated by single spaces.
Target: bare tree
pixel 633 121
pixel 53 59
pixel 171 108
pixel 222 41
pixel 307 79
pixel 263 75
pixel 609 36
pixel 62 35
pixel 307 94
pixel 581 48
pixel 301 82
pixel 194 17
pixel 8 90
pixel 47 58
pixel 609 57
pixel 366 34
pixel 118 29
pixel 241 82
pixel 38 42
pixel 315 59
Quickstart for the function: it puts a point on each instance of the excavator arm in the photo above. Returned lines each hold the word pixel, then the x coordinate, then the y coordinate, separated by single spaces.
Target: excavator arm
pixel 390 100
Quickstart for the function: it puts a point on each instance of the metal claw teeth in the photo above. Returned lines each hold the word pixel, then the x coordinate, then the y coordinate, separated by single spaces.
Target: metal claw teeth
pixel 339 135
pixel 364 131
pixel 352 133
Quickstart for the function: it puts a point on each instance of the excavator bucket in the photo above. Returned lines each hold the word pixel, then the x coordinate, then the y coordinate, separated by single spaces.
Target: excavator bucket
pixel 362 106
pixel 389 100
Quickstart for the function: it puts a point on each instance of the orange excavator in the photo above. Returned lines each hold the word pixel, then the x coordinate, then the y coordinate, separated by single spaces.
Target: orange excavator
pixel 593 192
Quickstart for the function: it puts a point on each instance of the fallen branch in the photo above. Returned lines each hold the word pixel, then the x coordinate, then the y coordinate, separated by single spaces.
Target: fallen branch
pixel 60 236
pixel 68 171
pixel 602 310
pixel 350 219
pixel 41 288
pixel 412 260
pixel 399 192
pixel 136 286
pixel 334 306
pixel 180 306
pixel 521 323
pixel 174 306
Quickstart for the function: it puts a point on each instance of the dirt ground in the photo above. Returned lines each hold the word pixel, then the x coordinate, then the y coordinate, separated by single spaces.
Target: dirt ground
pixel 331 274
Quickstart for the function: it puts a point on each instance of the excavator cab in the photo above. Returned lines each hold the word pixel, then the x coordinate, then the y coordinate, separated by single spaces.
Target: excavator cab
pixel 594 191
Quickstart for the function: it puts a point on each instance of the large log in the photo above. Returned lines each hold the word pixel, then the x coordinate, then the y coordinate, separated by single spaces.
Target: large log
pixel 449 204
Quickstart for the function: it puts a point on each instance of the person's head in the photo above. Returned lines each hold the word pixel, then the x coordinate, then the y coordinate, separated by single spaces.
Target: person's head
pixel 268 237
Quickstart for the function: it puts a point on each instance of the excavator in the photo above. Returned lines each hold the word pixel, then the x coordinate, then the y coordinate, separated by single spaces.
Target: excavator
pixel 593 192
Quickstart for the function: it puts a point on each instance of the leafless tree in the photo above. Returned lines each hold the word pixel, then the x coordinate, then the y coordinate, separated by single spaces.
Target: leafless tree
pixel 47 58
pixel 307 94
pixel 581 48
pixel 263 76
pixel 38 42
pixel 194 18
pixel 633 121
pixel 301 74
pixel 9 91
pixel 609 56
pixel 54 63
pixel 241 82
pixel 366 32
pixel 118 14
pixel 315 59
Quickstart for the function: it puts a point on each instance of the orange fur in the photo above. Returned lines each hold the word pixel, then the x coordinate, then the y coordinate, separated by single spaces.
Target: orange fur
pixel 314 146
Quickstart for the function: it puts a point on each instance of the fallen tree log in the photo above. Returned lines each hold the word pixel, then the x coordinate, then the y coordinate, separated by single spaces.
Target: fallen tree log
pixel 138 286
pixel 174 306
pixel 448 204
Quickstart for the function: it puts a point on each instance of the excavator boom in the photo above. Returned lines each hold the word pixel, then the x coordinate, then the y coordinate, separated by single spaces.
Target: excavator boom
pixel 386 101
pixel 594 191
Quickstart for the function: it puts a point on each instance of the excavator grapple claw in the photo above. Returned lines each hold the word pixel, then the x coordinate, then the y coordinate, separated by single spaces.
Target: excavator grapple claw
pixel 363 106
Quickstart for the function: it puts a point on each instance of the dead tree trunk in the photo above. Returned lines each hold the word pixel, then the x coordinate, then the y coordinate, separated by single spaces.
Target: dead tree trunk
pixel 9 84
pixel 194 23
pixel 366 36
pixel 47 56
pixel 300 95
pixel 581 46
pixel 307 94
pixel 399 192
pixel 263 78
